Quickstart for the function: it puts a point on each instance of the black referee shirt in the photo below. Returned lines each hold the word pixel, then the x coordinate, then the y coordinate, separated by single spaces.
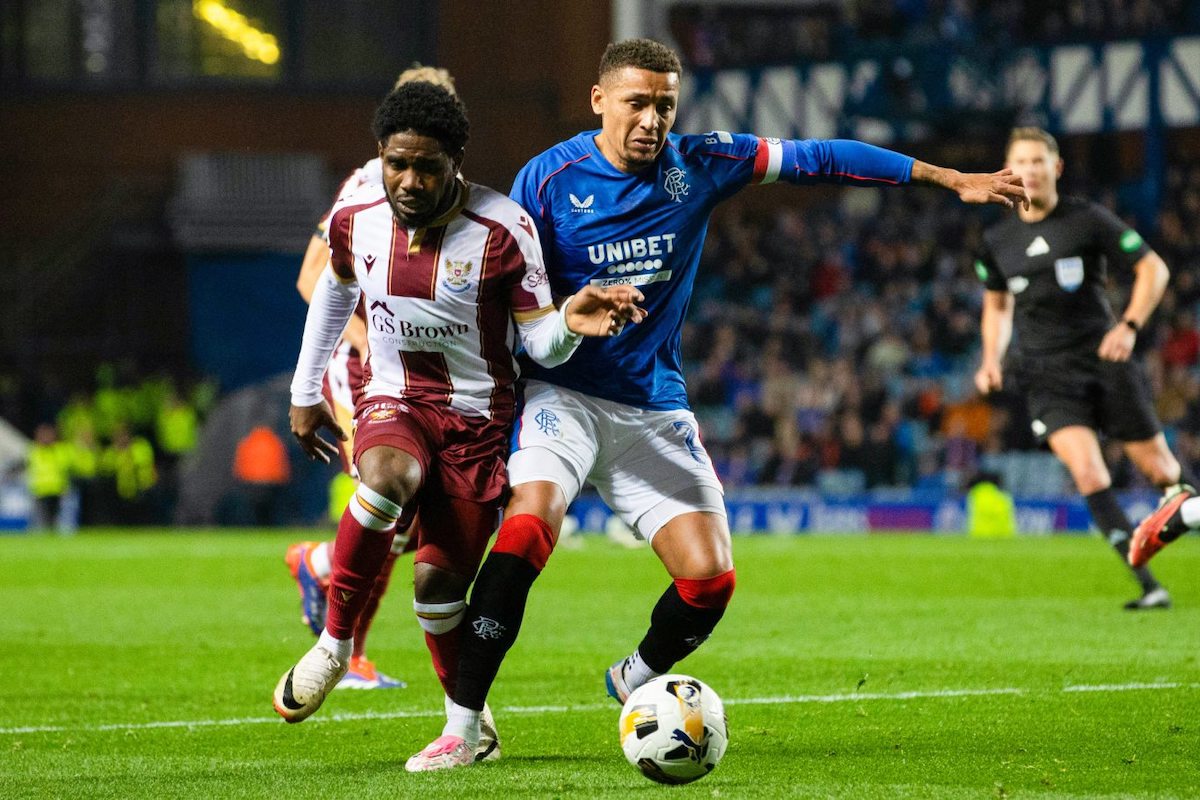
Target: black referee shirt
pixel 1055 269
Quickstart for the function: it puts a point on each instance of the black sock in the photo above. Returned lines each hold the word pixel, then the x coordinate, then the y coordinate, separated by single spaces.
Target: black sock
pixel 676 629
pixel 1175 526
pixel 491 624
pixel 1116 528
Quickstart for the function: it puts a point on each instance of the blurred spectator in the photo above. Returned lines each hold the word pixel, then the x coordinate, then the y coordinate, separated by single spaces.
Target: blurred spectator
pixel 991 513
pixel 128 467
pixel 85 466
pixel 1181 348
pixel 48 474
pixel 262 467
pixel 176 431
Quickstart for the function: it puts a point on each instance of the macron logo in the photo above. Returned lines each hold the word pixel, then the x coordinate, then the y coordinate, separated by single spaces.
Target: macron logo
pixel 583 206
pixel 1038 247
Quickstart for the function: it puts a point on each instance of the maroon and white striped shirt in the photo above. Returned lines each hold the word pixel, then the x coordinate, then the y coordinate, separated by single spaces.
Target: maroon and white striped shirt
pixel 441 300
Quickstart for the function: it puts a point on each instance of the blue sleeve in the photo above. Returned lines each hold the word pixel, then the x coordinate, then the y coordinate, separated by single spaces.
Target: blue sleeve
pixel 841 161
pixel 525 192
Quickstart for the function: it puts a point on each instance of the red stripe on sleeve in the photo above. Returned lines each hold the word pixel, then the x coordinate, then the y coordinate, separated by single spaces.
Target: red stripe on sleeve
pixel 762 157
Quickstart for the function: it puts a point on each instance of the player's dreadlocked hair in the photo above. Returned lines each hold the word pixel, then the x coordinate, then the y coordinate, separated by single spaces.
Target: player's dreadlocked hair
pixel 641 53
pixel 1031 134
pixel 428 110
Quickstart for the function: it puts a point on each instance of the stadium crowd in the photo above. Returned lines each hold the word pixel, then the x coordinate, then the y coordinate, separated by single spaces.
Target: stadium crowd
pixel 833 346
pixel 716 37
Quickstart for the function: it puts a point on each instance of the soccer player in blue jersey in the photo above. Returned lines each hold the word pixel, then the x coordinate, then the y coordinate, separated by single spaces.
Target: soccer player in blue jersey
pixel 629 205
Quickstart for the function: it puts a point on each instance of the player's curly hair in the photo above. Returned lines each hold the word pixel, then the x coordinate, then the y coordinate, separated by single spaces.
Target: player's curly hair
pixel 640 53
pixel 428 110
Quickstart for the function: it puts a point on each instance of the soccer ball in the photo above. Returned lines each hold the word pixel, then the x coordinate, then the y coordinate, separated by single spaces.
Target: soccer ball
pixel 673 729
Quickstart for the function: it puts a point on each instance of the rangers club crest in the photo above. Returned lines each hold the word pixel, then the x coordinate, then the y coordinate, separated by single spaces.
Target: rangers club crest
pixel 458 275
pixel 675 184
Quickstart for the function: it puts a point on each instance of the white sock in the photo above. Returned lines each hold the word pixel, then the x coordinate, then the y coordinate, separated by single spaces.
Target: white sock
pixel 1189 512
pixel 462 721
pixel 341 648
pixel 319 558
pixel 636 671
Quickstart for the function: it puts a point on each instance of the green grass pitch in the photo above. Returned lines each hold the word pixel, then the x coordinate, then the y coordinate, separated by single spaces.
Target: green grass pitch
pixel 141 665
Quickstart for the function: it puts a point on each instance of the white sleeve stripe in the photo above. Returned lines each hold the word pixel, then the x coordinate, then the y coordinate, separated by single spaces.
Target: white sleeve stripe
pixel 774 162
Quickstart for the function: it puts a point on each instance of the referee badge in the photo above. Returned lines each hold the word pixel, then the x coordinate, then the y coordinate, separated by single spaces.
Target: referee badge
pixel 1069 272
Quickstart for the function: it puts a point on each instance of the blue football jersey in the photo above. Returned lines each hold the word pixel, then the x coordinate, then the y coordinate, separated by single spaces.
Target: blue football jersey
pixel 604 227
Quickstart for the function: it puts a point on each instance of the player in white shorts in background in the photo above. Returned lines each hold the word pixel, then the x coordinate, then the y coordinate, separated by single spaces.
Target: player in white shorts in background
pixel 629 205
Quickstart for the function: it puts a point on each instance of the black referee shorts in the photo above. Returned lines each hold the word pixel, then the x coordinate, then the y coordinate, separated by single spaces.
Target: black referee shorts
pixel 1080 388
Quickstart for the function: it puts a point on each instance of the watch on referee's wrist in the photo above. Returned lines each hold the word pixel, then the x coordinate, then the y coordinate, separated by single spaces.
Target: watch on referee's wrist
pixel 1132 325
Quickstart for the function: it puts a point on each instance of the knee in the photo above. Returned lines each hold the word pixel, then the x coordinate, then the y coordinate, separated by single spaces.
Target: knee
pixel 712 593
pixel 435 585
pixel 396 475
pixel 543 499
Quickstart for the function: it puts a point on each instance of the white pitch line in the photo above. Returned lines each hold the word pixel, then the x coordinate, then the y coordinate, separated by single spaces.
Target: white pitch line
pixel 1127 687
pixel 560 709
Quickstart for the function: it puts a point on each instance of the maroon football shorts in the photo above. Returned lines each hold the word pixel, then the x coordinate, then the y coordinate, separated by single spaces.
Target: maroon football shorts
pixel 464 479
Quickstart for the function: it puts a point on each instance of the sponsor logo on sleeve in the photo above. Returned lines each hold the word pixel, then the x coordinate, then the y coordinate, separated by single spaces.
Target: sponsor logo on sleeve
pixel 981 270
pixel 1130 241
pixel 534 279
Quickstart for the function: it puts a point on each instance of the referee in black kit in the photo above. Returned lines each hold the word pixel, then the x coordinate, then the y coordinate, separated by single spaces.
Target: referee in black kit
pixel 1044 270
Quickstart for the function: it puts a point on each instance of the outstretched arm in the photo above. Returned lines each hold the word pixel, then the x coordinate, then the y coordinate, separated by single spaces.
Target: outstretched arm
pixel 858 163
pixel 1003 187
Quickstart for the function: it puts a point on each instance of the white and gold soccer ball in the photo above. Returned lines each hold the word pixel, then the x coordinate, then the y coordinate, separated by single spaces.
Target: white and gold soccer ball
pixel 673 729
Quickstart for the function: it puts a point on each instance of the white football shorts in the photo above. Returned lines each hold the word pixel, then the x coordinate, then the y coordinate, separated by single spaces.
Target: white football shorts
pixel 649 466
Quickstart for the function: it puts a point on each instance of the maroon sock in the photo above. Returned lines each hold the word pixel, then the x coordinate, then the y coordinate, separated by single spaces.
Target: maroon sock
pixel 443 648
pixel 358 557
pixel 378 590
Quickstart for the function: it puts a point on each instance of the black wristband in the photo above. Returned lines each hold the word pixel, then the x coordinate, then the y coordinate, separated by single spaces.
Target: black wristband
pixel 1133 326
